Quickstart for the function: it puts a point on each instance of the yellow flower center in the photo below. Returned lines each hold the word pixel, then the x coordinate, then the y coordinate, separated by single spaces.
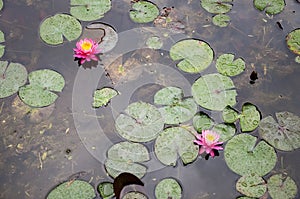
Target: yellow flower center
pixel 210 137
pixel 86 45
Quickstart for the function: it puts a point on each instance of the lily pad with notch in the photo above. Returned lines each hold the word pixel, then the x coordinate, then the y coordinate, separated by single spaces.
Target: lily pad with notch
pixel 251 185
pixel 226 65
pixel 193 55
pixel 282 186
pixel 143 12
pixel 168 188
pixel 270 6
pixel 293 41
pixel 103 96
pixel 173 141
pixel 217 6
pixel 221 20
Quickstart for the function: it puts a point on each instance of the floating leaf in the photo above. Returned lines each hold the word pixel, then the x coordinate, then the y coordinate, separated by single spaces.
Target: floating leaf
pixel 168 188
pixel 76 189
pixel 154 42
pixel 270 6
pixel 230 115
pixel 2 39
pixel 142 122
pixel 106 190
pixel 43 83
pixel 202 122
pixel 1 4
pixel 173 141
pixel 134 195
pixel 249 118
pixel 103 96
pixel 214 91
pixel 89 10
pixel 143 12
pixel 243 157
pixel 125 179
pixel 221 20
pixel 252 185
pixel 293 41
pixel 226 65
pixel 168 96
pixel 297 59
pixel 12 76
pixel 53 29
pixel 284 135
pixel 194 55
pixel 282 186
pixel 124 157
pixel 226 131
pixel 217 6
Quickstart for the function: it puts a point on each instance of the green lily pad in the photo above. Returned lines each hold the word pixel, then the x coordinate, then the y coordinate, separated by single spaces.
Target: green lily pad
pixel 244 158
pixel 2 39
pixel 141 122
pixel 293 41
pixel 249 118
pixel 284 135
pixel 143 12
pixel 89 10
pixel 126 157
pixel 77 189
pixel 134 195
pixel 217 6
pixel 230 115
pixel 282 186
pixel 252 185
pixel 173 141
pixel 221 20
pixel 106 190
pixel 270 6
pixel 53 29
pixel 12 77
pixel 202 122
pixel 226 131
pixel 43 83
pixel 297 59
pixel 168 188
pixel 194 55
pixel 177 110
pixel 103 96
pixel 1 4
pixel 154 42
pixel 214 92
pixel 226 65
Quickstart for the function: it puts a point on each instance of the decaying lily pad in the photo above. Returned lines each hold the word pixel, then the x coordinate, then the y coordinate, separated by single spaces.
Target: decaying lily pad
pixel 226 65
pixel 252 185
pixel 103 96
pixel 142 122
pixel 283 134
pixel 244 157
pixel 293 41
pixel 214 91
pixel 106 190
pixel 270 6
pixel 173 141
pixel 168 188
pixel 89 10
pixel 12 77
pixel 143 12
pixel 217 6
pixel 76 189
pixel 2 39
pixel 126 157
pixel 221 20
pixel 54 29
pixel 40 91
pixel 193 55
pixel 282 186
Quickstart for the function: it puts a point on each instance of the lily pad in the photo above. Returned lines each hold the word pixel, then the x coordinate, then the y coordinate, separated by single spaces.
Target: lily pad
pixel 89 10
pixel 168 188
pixel 282 186
pixel 106 190
pixel 1 4
pixel 202 122
pixel 214 92
pixel 252 185
pixel 143 12
pixel 173 141
pixel 40 91
pixel 226 65
pixel 221 20
pixel 230 115
pixel 125 157
pixel 249 118
pixel 177 110
pixel 103 96
pixel 194 55
pixel 154 42
pixel 12 77
pixel 270 6
pixel 76 189
pixel 244 158
pixel 217 6
pixel 2 39
pixel 293 41
pixel 53 29
pixel 226 131
pixel 141 122
pixel 284 135
pixel 134 195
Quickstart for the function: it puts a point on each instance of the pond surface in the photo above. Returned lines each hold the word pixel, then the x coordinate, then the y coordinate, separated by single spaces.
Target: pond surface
pixel 39 152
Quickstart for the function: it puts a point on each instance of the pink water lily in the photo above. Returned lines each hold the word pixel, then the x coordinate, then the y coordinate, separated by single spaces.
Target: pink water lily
pixel 86 50
pixel 208 142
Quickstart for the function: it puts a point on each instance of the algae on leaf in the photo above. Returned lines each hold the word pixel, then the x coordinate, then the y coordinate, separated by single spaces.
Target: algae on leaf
pixel 143 12
pixel 270 6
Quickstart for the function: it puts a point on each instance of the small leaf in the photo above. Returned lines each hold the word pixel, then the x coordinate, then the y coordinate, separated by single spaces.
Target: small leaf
pixel 226 131
pixel 270 6
pixel 134 195
pixel 154 42
pixel 1 4
pixel 221 20
pixel 168 96
pixel 252 185
pixel 103 96
pixel 226 65
pixel 293 41
pixel 106 190
pixel 168 188
pixel 202 122
pixel 217 6
pixel 282 186
pixel 249 118
pixel 230 115
pixel 123 180
pixel 143 12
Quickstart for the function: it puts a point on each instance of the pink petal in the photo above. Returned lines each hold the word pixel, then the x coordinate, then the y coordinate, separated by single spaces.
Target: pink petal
pixel 202 149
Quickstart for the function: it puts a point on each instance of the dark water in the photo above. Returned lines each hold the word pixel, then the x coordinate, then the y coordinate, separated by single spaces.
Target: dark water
pixel 251 35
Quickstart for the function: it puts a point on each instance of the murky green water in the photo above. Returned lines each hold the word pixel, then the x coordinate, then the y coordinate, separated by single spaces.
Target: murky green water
pixel 36 156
